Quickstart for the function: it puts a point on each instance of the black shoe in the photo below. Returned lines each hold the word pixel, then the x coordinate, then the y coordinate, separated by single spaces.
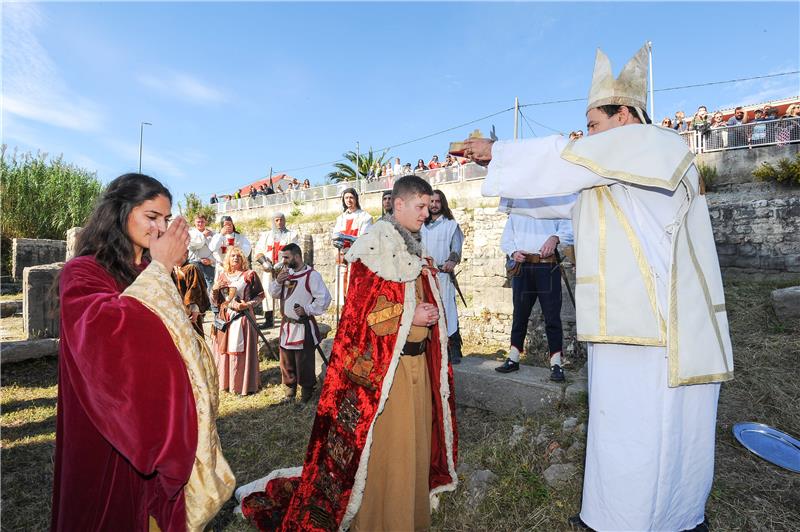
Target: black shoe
pixel 306 394
pixel 702 527
pixel 508 366
pixel 557 374
pixel 576 523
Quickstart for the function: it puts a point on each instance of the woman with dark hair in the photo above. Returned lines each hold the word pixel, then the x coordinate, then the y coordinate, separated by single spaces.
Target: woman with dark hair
pixel 420 166
pixel 351 223
pixel 136 440
pixel 237 291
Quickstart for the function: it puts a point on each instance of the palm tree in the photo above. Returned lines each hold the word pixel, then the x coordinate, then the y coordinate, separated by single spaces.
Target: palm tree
pixel 345 171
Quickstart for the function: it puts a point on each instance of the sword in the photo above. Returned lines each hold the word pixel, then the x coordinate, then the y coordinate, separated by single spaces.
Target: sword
pixel 252 321
pixel 455 284
pixel 560 265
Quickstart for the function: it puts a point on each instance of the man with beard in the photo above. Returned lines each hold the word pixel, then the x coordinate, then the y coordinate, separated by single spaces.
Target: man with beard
pixel 384 440
pixel 386 204
pixel 649 299
pixel 443 239
pixel 303 295
pixel 268 254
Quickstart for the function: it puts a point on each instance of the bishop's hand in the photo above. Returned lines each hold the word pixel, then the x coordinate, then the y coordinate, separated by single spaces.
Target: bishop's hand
pixel 478 150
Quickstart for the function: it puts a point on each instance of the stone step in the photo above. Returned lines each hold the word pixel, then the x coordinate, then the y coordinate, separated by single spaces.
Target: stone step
pixel 528 390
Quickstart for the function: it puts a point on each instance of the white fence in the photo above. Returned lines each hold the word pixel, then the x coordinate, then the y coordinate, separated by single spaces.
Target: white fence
pixel 764 133
pixel 435 177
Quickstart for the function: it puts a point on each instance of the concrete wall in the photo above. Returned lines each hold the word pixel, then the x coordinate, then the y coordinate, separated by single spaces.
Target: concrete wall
pixel 736 166
pixel 33 252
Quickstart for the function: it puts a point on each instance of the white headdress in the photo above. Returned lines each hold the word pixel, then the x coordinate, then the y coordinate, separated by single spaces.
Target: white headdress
pixel 630 88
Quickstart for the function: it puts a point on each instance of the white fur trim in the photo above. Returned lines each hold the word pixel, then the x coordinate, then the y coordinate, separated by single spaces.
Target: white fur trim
pixel 383 250
pixel 261 484
pixel 444 393
pixel 357 492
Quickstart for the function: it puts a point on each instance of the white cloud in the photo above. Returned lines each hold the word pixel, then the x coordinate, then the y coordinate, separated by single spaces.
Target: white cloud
pixel 183 86
pixel 32 85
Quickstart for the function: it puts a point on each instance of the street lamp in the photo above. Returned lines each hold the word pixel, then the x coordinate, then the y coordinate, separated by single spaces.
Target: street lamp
pixel 141 133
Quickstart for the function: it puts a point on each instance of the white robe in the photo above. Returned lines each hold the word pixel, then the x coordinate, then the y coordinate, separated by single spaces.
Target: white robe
pixel 437 242
pixel 353 224
pixel 307 289
pixel 650 448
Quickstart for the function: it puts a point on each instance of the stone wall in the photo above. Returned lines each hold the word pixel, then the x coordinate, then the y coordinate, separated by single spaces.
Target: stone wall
pixel 34 252
pixel 757 229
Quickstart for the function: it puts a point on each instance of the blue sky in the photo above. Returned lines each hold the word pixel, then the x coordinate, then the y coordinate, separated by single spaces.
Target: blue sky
pixel 233 89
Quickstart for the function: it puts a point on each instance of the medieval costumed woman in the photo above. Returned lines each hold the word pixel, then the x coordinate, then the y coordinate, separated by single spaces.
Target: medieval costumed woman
pixel 136 438
pixel 384 441
pixel 349 225
pixel 237 292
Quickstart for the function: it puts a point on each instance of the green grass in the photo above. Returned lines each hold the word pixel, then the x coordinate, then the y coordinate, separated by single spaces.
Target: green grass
pixel 259 435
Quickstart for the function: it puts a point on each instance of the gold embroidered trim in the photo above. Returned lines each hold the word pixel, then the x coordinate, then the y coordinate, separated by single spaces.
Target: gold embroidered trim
pixel 587 279
pixel 384 314
pixel 707 296
pixel 705 379
pixel 638 253
pixel 629 340
pixel 601 261
pixel 671 184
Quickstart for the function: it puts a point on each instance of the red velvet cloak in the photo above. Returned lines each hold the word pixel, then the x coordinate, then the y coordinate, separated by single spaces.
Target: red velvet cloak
pixel 126 432
pixel 360 368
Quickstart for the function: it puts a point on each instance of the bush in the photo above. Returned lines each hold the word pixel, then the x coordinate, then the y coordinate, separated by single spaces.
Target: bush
pixel 43 198
pixel 708 175
pixel 787 171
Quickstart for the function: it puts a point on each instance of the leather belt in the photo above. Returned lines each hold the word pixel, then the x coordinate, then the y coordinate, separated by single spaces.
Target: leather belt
pixel 412 349
pixel 535 258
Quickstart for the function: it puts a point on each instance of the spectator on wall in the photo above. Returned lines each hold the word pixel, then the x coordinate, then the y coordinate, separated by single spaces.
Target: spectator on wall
pixel 679 124
pixel 666 122
pixel 758 133
pixel 397 169
pixel 214 199
pixel 700 120
pixel 718 136
pixel 739 117
pixel 434 163
pixel 420 166
pixel 306 184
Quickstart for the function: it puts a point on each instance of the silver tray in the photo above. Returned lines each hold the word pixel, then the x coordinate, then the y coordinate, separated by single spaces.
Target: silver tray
pixel 770 444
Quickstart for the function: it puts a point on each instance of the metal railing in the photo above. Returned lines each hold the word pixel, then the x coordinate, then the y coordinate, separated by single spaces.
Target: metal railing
pixel 763 133
pixel 438 176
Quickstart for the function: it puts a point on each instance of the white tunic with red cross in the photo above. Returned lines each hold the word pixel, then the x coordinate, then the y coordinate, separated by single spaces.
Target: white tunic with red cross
pixel 270 244
pixel 306 289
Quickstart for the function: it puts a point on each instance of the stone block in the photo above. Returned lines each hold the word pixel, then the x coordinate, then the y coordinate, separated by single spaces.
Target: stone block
pixel 40 301
pixel 528 390
pixel 72 240
pixel 786 303
pixel 34 252
pixel 9 308
pixel 28 349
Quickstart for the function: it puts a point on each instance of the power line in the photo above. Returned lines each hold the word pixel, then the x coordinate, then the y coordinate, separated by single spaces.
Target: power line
pixel 526 121
pixel 707 84
pixel 550 102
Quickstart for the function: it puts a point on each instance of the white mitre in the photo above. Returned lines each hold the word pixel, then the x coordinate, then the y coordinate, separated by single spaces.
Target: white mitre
pixel 630 88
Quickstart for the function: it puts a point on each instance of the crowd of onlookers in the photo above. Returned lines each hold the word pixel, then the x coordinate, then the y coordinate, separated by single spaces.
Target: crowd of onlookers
pixel 766 125
pixel 265 189
pixel 396 169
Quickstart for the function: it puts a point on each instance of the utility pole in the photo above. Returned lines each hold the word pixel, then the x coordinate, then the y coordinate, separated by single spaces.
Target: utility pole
pixel 358 158
pixel 652 102
pixel 516 117
pixel 141 134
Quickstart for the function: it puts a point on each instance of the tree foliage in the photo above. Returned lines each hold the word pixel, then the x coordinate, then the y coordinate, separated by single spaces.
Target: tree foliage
pixel 41 197
pixel 347 171
pixel 193 206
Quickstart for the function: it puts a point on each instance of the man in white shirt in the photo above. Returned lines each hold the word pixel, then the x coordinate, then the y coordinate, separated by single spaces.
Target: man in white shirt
pixel 532 243
pixel 443 240
pixel 200 249
pixel 303 295
pixel 226 239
